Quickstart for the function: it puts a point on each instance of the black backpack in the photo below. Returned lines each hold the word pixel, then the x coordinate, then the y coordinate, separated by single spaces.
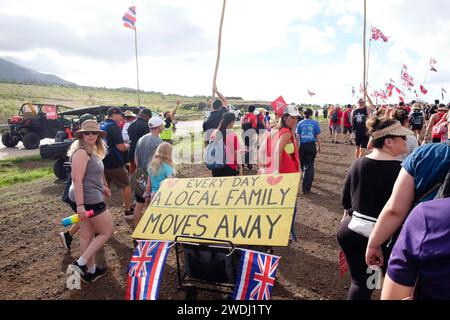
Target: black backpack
pixel 335 117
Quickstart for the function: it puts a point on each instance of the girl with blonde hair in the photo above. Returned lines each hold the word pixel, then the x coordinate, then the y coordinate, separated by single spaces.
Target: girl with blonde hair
pixel 160 168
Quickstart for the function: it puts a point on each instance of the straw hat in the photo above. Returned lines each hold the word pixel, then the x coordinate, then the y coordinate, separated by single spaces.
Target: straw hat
pixel 90 126
pixel 129 113
pixel 396 130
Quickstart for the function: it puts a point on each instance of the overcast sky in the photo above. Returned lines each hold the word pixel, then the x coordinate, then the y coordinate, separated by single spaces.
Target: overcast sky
pixel 269 47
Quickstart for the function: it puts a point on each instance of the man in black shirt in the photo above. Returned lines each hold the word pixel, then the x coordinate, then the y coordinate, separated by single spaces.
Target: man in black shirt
pixel 219 107
pixel 137 129
pixel 359 118
pixel 114 162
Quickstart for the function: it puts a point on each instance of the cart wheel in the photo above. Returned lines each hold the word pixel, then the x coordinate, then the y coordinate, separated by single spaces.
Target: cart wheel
pixel 9 141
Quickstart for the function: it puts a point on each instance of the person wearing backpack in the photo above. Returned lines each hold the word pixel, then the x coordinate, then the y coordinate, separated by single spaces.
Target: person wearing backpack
pixel 416 120
pixel 87 193
pixel 114 161
pixel 436 131
pixel 230 145
pixel 422 171
pixel 348 128
pixel 145 149
pixel 336 123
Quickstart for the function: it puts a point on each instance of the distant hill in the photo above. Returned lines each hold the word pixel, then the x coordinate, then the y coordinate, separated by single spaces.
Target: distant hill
pixel 11 72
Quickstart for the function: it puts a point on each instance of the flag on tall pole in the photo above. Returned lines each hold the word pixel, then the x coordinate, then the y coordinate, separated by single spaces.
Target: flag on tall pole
pixel 129 18
pixel 129 21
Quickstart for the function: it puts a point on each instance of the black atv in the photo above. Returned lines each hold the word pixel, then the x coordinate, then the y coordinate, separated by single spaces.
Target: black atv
pixel 63 139
pixel 33 123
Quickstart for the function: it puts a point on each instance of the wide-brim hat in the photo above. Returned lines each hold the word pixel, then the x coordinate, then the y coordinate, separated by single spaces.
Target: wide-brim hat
pixel 90 126
pixel 396 130
pixel 129 113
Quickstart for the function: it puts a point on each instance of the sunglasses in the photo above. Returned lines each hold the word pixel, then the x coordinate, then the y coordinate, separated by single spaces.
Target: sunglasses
pixel 87 133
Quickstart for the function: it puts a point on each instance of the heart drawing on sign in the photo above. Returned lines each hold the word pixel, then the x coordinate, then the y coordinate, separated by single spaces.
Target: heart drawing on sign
pixel 274 181
pixel 171 183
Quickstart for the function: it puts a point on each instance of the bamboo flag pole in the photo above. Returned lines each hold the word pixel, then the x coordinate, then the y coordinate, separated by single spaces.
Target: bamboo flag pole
pixel 219 48
pixel 137 67
pixel 364 49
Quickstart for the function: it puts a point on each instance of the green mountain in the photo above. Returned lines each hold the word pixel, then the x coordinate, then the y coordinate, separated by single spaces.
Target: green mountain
pixel 13 73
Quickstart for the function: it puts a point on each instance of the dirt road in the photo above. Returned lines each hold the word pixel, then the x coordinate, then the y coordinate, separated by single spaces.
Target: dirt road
pixel 33 263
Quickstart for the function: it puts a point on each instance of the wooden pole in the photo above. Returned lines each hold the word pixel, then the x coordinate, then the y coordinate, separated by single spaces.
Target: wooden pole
pixel 364 49
pixel 219 47
pixel 137 67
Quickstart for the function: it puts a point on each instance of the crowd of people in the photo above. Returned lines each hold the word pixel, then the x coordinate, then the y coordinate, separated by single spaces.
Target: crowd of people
pixel 395 172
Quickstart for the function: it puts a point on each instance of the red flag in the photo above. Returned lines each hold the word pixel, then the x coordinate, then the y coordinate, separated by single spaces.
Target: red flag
pixel 311 94
pixel 433 69
pixel 402 99
pixel 405 67
pixel 389 89
pixel 278 105
pixel 423 90
pixel 377 35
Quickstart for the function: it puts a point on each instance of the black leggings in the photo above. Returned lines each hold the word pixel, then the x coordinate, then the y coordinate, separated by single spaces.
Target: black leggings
pixel 354 247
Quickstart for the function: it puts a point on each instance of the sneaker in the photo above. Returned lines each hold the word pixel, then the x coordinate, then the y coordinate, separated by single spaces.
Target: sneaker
pixel 99 273
pixel 66 239
pixel 82 271
pixel 128 215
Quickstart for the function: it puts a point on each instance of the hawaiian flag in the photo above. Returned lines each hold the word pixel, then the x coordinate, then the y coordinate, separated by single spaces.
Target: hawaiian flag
pixel 129 18
pixel 256 276
pixel 377 35
pixel 423 90
pixel 145 270
pixel 278 105
pixel 311 94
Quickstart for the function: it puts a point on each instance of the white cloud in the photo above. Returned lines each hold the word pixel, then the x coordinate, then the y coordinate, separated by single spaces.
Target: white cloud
pixel 347 22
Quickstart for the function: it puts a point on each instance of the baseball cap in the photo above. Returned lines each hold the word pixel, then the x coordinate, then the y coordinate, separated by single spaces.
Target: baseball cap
pixel 155 122
pixel 291 110
pixel 114 110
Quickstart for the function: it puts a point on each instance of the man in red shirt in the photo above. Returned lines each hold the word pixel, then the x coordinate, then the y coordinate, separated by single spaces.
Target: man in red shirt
pixel 336 123
pixel 348 128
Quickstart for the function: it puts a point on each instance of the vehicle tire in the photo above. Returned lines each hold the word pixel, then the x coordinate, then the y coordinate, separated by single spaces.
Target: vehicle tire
pixel 9 141
pixel 31 140
pixel 58 168
pixel 61 136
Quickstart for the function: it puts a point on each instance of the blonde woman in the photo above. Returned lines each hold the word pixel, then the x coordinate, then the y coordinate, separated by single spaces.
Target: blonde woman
pixel 160 168
pixel 87 192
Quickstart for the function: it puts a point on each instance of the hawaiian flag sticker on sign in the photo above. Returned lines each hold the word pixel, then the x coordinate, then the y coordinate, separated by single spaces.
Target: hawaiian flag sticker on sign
pixel 129 18
pixel 278 105
pixel 256 276
pixel 145 270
